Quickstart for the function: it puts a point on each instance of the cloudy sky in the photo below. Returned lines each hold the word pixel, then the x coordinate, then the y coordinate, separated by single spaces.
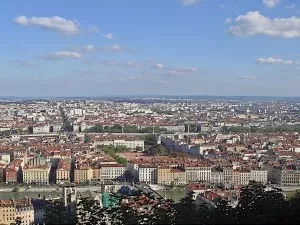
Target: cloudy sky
pixel 181 47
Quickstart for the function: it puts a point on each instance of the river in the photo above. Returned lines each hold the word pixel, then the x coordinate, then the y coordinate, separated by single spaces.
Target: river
pixel 175 194
pixel 20 195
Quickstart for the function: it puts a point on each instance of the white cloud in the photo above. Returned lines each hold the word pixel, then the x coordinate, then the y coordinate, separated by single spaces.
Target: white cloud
pixel 159 65
pixel 64 55
pixel 275 61
pixel 133 64
pixel 93 29
pixel 54 23
pixel 108 36
pixel 114 48
pixel 89 48
pixel 190 69
pixel 108 48
pixel 228 20
pixel 247 77
pixel 254 23
pixel 189 2
pixel 292 6
pixel 270 3
pixel 182 71
pixel 175 73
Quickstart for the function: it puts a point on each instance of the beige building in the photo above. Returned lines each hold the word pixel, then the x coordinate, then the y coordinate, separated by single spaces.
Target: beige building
pixel 164 176
pixel 36 174
pixel 217 177
pixel 63 171
pixel 227 174
pixel 83 174
pixel 235 177
pixel 244 177
pixel 178 177
pixel 10 210
pixel 96 173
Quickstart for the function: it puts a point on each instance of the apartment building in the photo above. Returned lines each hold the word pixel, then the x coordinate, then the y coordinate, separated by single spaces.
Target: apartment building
pixel 63 171
pixel 197 173
pixel 178 177
pixel 83 174
pixel 12 209
pixel 41 129
pixel 235 177
pixel 259 176
pixel 244 177
pixel 290 177
pixel 131 144
pixel 112 171
pixel 228 171
pixel 96 173
pixel 11 174
pixel 217 177
pixel 164 175
pixel 38 174
pixel 147 174
pixel 285 176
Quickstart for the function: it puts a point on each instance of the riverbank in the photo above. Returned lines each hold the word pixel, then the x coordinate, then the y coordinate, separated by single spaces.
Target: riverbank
pixel 48 189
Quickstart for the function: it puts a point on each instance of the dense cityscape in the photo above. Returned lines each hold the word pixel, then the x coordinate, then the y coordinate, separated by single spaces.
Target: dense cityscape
pixel 149 112
pixel 61 151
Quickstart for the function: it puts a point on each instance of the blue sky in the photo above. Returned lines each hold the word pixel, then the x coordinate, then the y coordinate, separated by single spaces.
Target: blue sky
pixel 181 47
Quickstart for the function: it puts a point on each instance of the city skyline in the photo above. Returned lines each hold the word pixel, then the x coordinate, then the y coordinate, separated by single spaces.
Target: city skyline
pixel 176 47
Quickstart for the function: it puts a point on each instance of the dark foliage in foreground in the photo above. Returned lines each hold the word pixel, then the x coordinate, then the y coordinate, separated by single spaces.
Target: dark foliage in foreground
pixel 256 206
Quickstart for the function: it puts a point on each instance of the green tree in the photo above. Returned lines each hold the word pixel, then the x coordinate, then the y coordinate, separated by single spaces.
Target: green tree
pixel 151 139
pixel 56 213
pixel 139 148
pixel 291 213
pixel 186 209
pixel 89 212
pixel 258 204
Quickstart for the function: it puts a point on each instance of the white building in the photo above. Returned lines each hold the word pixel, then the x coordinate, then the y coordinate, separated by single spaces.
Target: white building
pixel 147 174
pixel 259 176
pixel 198 173
pixel 132 144
pixel 43 129
pixel 112 171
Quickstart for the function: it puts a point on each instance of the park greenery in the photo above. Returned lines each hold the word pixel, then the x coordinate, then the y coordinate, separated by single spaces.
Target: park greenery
pixel 268 129
pixel 256 205
pixel 113 152
pixel 98 128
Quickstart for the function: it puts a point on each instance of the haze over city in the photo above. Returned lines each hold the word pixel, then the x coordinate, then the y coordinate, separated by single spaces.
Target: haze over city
pixel 176 47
